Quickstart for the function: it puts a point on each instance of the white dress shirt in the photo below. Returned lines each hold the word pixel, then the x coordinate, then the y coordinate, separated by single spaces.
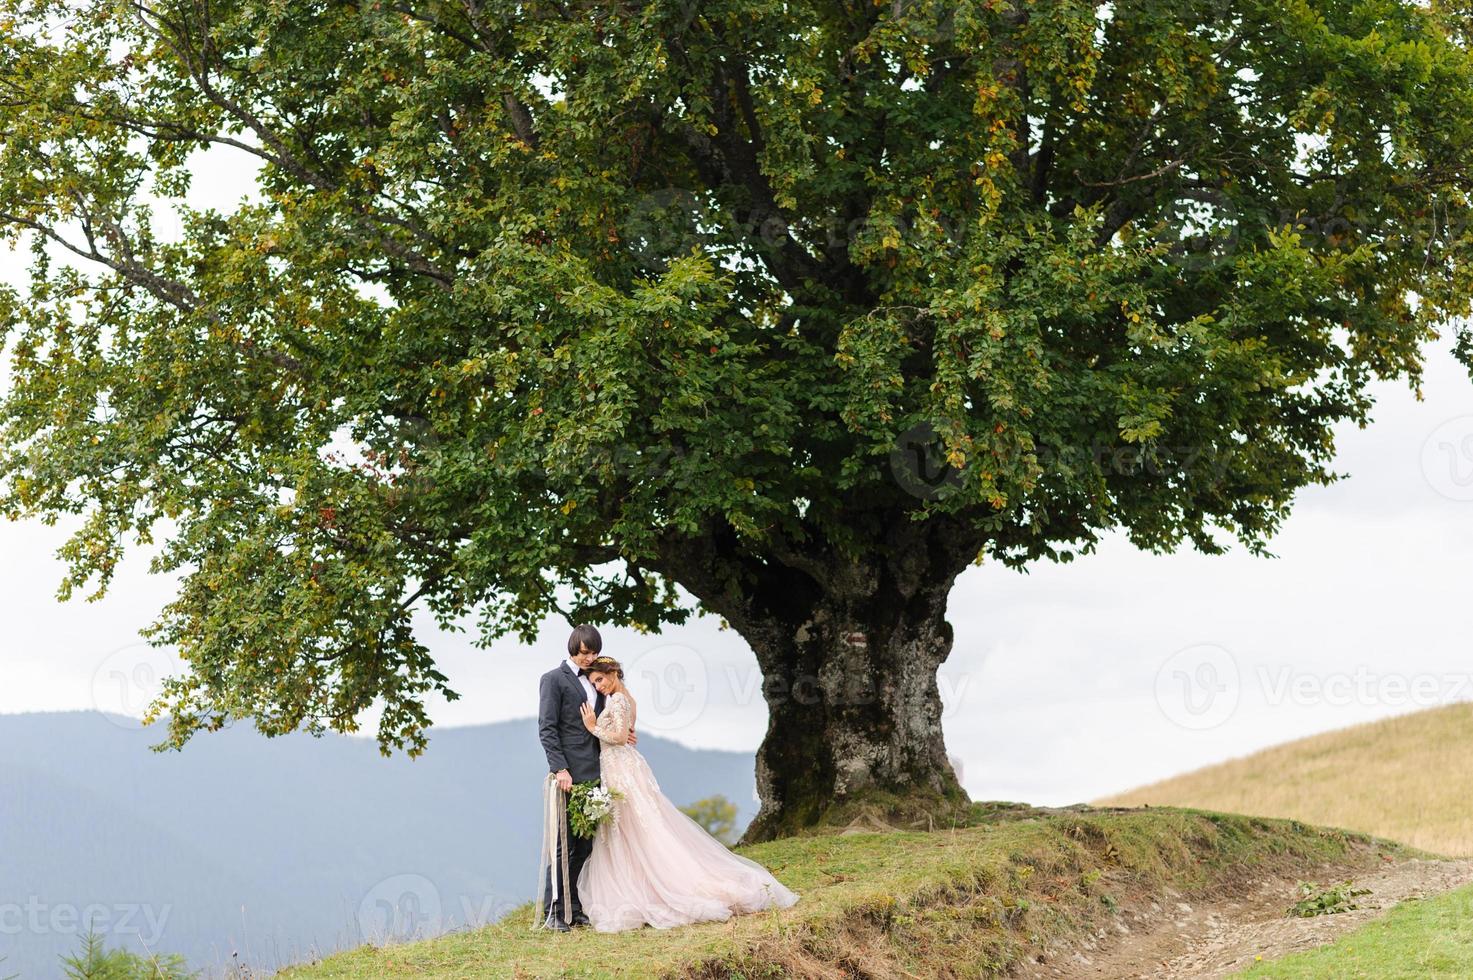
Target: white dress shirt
pixel 588 690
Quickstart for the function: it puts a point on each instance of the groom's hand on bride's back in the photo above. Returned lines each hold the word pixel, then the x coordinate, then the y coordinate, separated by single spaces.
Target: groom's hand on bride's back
pixel 632 737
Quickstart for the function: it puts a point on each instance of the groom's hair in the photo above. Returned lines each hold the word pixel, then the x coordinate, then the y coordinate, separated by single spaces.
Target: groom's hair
pixel 585 635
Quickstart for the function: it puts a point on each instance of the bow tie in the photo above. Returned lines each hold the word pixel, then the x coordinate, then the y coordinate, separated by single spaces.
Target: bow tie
pixel 583 672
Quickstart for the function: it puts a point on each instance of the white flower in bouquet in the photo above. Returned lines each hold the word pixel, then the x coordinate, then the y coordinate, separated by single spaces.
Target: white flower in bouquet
pixel 600 804
pixel 589 805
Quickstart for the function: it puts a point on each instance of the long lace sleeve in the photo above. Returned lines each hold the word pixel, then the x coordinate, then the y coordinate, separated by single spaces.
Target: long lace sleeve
pixel 613 721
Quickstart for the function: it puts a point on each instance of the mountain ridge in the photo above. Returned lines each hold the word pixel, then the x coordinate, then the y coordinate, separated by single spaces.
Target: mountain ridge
pixel 279 848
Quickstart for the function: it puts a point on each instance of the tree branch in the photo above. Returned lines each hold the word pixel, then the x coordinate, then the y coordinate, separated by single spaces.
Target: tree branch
pixel 171 292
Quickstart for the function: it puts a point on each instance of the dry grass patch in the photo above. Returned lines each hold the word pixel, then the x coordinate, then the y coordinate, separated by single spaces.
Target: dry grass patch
pixel 1408 778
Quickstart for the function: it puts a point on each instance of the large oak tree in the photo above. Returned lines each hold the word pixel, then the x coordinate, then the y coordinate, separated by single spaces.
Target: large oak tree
pixel 802 305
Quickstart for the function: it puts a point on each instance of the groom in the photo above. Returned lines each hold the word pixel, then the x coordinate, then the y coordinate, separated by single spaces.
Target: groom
pixel 572 755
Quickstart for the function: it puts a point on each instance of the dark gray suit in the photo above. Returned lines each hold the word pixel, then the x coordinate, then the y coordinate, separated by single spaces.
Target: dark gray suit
pixel 566 740
pixel 569 745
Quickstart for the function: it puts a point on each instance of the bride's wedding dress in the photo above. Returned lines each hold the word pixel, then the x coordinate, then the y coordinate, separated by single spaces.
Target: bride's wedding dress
pixel 652 863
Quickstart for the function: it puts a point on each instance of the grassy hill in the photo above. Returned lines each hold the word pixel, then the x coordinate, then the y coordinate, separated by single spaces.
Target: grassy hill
pixel 1414 941
pixel 1016 884
pixel 1408 778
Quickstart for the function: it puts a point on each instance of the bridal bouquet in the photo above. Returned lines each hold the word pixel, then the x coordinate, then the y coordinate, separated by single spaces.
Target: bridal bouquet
pixel 589 804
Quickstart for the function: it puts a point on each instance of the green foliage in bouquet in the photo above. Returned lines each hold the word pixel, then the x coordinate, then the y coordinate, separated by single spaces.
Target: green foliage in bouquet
pixel 589 805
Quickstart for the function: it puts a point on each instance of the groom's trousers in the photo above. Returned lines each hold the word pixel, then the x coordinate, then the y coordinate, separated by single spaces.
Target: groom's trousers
pixel 578 851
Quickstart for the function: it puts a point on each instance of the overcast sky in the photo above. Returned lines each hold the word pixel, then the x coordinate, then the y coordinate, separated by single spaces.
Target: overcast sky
pixel 1063 685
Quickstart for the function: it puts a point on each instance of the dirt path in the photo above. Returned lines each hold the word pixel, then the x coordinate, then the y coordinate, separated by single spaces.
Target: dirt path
pixel 1217 938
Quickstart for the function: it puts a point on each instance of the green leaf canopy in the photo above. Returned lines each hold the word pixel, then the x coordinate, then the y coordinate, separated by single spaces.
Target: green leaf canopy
pixel 546 295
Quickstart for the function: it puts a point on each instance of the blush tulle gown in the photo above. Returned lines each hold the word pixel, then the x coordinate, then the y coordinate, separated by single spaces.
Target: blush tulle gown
pixel 652 864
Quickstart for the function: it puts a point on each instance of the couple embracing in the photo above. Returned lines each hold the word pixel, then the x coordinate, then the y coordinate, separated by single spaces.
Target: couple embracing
pixel 649 863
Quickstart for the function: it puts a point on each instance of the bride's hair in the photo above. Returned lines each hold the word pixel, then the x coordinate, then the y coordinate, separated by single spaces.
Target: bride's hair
pixel 606 665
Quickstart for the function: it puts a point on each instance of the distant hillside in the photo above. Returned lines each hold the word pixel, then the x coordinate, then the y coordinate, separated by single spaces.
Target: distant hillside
pixel 277 848
pixel 1408 778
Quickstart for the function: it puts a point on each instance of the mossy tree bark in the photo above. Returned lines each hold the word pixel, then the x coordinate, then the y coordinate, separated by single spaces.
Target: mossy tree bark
pixel 849 650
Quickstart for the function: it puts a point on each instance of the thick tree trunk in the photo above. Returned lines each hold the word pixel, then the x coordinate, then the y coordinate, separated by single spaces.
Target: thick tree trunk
pixel 854 711
pixel 849 651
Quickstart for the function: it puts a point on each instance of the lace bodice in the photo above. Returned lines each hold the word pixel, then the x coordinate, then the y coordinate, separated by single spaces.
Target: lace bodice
pixel 612 727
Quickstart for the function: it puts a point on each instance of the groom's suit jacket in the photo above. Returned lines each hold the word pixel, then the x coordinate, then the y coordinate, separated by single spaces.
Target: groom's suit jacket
pixel 566 740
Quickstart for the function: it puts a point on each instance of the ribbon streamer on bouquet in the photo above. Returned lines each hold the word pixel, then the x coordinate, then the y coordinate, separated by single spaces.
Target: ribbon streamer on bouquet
pixel 554 843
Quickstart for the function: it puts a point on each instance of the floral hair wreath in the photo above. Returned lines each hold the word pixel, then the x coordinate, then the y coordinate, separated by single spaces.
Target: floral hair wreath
pixel 606 665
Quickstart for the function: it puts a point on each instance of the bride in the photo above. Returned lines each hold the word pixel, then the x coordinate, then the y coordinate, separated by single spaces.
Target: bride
pixel 651 863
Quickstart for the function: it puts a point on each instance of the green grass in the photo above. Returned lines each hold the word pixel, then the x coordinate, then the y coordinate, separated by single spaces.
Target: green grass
pixel 1418 938
pixel 969 901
